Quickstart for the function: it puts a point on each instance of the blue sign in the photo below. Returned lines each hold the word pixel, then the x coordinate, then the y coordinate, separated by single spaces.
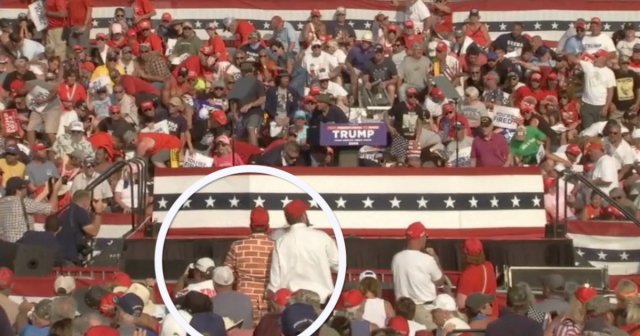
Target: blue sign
pixel 366 134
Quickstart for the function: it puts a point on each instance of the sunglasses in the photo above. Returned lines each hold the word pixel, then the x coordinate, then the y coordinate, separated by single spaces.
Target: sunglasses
pixel 163 21
pixel 113 113
pixel 263 56
pixel 581 30
pixel 239 58
pixel 218 89
pixel 120 15
pixel 102 92
pixel 147 110
pixel 118 91
pixel 397 45
pixel 231 83
pixel 187 28
pixel 316 47
pixel 475 72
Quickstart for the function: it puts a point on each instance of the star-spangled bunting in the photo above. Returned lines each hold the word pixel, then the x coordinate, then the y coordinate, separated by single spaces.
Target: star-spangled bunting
pixel 358 202
pixel 495 26
pixel 584 256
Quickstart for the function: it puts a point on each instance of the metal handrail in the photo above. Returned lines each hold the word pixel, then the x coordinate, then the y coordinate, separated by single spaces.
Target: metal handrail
pixel 568 173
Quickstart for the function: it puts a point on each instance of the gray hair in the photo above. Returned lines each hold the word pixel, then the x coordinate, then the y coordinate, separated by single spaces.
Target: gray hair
pixel 531 299
pixel 472 92
pixel 570 289
pixel 63 307
pixel 82 323
pixel 353 313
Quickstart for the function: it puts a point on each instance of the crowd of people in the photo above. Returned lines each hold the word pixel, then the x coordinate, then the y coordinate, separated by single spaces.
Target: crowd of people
pixel 72 106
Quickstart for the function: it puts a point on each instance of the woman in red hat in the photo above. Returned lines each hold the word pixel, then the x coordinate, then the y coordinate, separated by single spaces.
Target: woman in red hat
pixel 478 277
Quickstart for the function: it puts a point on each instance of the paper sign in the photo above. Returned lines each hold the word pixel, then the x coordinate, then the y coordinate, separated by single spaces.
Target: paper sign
pixel 463 159
pixel 197 160
pixel 10 122
pixel 37 93
pixel 559 128
pixel 171 44
pixel 37 14
pixel 99 83
pixel 24 149
pixel 505 117
pixel 370 134
pixel 541 154
pixel 159 127
pixel 508 134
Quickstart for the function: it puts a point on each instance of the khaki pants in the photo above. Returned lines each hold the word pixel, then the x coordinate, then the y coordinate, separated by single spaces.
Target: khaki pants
pixel 47 121
pixel 423 316
pixel 55 38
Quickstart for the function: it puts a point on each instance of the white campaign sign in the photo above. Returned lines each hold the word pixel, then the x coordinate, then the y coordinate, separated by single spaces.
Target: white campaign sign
pixel 464 158
pixel 159 127
pixel 541 153
pixel 505 117
pixel 37 14
pixel 197 161
pixel 36 94
pixel 99 83
pixel 171 44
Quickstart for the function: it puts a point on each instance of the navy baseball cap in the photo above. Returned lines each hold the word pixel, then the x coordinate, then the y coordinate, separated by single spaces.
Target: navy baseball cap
pixel 296 315
pixel 12 149
pixel 209 323
pixel 492 56
pixel 131 304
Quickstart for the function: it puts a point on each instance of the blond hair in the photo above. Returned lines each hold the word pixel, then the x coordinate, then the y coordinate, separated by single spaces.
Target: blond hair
pixel 633 313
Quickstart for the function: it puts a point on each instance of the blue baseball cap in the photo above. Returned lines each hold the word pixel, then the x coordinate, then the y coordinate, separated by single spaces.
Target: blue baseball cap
pixel 300 115
pixel 208 322
pixel 131 304
pixel 295 315
pixel 492 56
pixel 12 149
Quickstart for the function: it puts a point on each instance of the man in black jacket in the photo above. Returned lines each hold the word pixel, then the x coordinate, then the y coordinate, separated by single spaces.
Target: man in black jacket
pixel 46 238
pixel 287 154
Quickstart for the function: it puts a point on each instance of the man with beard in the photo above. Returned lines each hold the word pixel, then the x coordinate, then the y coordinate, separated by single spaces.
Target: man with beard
pixel 512 42
pixel 71 142
pixel 474 78
pixel 626 96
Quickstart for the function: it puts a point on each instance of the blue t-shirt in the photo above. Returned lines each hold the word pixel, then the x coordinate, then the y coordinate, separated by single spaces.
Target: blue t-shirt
pixel 31 330
pixel 71 235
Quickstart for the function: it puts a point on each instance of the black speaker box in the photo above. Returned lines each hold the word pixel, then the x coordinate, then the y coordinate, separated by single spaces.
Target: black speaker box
pixel 558 231
pixel 33 261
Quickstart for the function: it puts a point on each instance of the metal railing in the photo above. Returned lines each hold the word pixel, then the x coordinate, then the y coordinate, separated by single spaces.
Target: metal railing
pixel 567 175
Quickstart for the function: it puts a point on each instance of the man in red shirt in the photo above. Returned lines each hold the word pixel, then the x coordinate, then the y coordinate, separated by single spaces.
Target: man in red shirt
pixel 410 36
pixel 80 21
pixel 56 13
pixel 143 10
pixel 133 85
pixel 217 43
pixel 132 41
pixel 149 37
pixel 240 29
pixel 197 63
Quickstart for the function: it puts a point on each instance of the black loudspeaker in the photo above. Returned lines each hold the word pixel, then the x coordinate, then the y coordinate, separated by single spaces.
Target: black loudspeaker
pixel 152 229
pixel 33 261
pixel 558 231
pixel 8 253
pixel 597 278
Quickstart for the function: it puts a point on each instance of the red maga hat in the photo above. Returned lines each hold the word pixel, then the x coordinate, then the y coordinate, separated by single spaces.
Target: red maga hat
pixel 259 217
pixel 296 208
pixel 415 231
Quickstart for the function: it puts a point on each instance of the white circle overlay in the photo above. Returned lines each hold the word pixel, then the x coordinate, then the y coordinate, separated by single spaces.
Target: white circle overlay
pixel 249 169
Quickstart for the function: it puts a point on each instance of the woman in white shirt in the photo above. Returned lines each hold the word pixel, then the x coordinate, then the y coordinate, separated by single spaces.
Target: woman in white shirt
pixel 127 190
pixel 376 309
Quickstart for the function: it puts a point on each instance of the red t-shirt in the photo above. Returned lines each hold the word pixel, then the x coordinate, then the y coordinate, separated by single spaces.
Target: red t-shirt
pixel 133 85
pixel 142 7
pixel 78 11
pixel 410 40
pixel 242 34
pixel 632 329
pixel 56 6
pixel 475 278
pixel 217 43
pixel 569 113
pixel 154 41
pixel 161 141
pixel 117 44
pixel 452 131
pixel 539 94
pixel 521 92
pixel 73 93
pixel 192 63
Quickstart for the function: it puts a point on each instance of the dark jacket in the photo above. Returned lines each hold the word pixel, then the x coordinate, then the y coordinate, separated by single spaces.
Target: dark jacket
pixel 271 103
pixel 273 158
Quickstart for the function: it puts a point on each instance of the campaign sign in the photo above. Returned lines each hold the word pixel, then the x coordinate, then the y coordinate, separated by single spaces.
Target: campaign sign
pixel 505 117
pixel 38 16
pixel 11 122
pixel 369 134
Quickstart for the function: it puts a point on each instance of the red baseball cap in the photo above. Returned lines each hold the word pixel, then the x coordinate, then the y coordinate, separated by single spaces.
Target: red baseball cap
pixel 78 48
pixel 442 47
pixel 108 303
pixel 473 247
pixel 296 208
pixel 121 279
pixel 584 294
pixel 536 76
pixel 281 296
pixel 593 146
pixel 601 53
pixel 309 99
pixel 206 50
pixel 166 17
pixel 102 331
pixel 39 147
pixel 314 90
pixel 412 90
pixel 392 28
pixel 553 76
pixel 16 86
pixel 114 109
pixel 596 20
pixel 573 149
pixel 408 24
pixel 259 217
pixel 101 36
pixel 437 93
pixel 6 278
pixel 316 12
pixel 131 33
pixel 192 75
pixel 447 108
pixel 581 25
pixel 352 298
pixel 548 182
pixel 146 105
pixel 399 324
pixel 88 66
pixel 588 167
pixel 416 231
pixel 146 24
pixel 220 117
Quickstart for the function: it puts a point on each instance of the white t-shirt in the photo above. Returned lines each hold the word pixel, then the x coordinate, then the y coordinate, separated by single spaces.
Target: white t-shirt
pixel 339 56
pixel 460 325
pixel 435 109
pixel 626 48
pixel 596 83
pixel 334 89
pixel 413 275
pixel 415 327
pixel 375 312
pixel 597 129
pixel 601 42
pixel 314 64
pixel 623 154
pixel 561 153
pixel 126 193
pixel 418 12
pixel 204 287
pixel 65 120
pixel 606 168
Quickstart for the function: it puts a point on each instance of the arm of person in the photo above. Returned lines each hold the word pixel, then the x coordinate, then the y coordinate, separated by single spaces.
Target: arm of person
pixel 275 281
pixel 37 207
pixel 332 254
pixel 434 270
pixel 293 40
pixel 142 148
pixel 91 226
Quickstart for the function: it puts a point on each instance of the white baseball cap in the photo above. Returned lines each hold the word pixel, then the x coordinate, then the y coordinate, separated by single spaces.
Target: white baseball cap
pixel 323 75
pixel 445 302
pixel 170 326
pixel 367 274
pixel 116 28
pixel 367 37
pixel 223 275
pixel 67 283
pixel 203 264
pixel 635 134
pixel 77 126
